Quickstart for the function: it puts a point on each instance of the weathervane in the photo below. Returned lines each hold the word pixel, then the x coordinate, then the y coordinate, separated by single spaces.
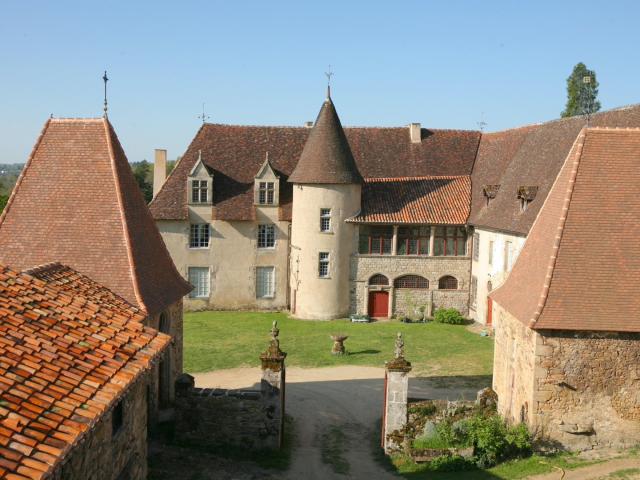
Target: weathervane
pixel 204 117
pixel 105 79
pixel 329 74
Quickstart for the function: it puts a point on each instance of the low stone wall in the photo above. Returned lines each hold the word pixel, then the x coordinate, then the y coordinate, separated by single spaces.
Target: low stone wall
pixel 215 418
pixel 103 455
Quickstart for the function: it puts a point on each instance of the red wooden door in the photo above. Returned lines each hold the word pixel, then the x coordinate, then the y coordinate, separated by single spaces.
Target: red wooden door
pixel 379 304
pixel 489 311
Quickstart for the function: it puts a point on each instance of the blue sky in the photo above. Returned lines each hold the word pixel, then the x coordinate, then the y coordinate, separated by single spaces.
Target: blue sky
pixel 444 64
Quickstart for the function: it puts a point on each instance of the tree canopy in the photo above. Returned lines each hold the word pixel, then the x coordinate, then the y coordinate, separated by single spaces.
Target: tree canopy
pixel 582 92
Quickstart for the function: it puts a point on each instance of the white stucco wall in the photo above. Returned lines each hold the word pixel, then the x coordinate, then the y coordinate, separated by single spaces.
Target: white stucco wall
pixel 315 297
pixel 496 272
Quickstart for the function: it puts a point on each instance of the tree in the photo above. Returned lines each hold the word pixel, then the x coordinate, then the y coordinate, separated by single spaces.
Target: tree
pixel 582 92
pixel 144 176
pixel 3 202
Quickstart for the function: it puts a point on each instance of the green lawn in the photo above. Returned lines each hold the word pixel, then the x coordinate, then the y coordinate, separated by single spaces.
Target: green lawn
pixel 217 340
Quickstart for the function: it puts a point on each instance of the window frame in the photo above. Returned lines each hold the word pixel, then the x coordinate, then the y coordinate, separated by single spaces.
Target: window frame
pixel 197 234
pixel 205 273
pixel 271 282
pixel 324 264
pixel 411 281
pixel 373 280
pixel 491 248
pixel 198 188
pixel 447 278
pixel 474 291
pixel 382 239
pixel 325 215
pixel 407 235
pixel 476 246
pixel 441 237
pixel 263 238
pixel 266 193
pixel 508 256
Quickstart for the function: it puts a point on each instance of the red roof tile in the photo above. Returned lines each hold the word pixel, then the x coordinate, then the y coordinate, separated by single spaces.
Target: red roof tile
pixel 414 200
pixel 580 266
pixel 236 153
pixel 64 361
pixel 77 202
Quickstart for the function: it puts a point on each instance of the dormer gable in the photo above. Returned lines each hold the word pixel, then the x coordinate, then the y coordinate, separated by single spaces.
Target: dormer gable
pixel 266 188
pixel 200 183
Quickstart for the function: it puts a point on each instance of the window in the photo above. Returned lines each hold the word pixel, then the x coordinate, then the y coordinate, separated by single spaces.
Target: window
pixel 490 252
pixel 199 191
pixel 323 264
pixel 474 291
pixel 199 278
pixel 413 240
pixel 265 282
pixel 266 193
pixel 325 219
pixel 524 203
pixel 375 240
pixel 450 241
pixel 379 279
pixel 266 236
pixel 411 281
pixel 508 257
pixel 117 418
pixel 448 283
pixel 199 235
pixel 476 246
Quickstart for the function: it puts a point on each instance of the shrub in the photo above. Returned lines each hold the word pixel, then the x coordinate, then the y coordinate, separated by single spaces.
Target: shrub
pixel 455 463
pixel 448 315
pixel 423 409
pixel 494 441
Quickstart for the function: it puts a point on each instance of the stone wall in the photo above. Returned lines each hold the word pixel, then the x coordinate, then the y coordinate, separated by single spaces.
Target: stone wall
pixel 364 267
pixel 513 366
pixel 214 418
pixel 102 455
pixel 587 389
pixel 580 390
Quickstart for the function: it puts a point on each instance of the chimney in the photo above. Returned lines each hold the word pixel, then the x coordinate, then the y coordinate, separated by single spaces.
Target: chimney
pixel 159 170
pixel 415 133
pixel 308 124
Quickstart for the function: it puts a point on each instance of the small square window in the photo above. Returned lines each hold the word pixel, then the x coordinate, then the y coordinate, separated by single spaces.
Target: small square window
pixel 265 282
pixel 323 264
pixel 199 278
pixel 117 418
pixel 325 219
pixel 199 235
pixel 266 236
pixel 266 193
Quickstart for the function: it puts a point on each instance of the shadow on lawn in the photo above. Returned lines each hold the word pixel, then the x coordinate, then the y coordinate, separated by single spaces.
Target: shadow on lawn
pixel 365 352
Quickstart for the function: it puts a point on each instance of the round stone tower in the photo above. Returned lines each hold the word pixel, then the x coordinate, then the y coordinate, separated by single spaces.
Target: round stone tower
pixel 326 191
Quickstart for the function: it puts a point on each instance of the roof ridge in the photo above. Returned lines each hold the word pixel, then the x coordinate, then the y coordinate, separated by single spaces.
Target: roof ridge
pixel 348 127
pixel 136 288
pixel 75 119
pixel 24 170
pixel 576 154
pixel 416 177
pixel 613 129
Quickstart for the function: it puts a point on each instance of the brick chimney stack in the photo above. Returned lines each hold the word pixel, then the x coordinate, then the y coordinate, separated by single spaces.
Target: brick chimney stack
pixel 159 170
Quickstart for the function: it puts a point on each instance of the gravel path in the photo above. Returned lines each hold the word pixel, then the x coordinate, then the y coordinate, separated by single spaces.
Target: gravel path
pixel 337 413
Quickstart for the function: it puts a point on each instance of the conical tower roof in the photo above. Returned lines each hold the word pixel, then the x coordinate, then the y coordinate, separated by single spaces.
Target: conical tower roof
pixel 326 157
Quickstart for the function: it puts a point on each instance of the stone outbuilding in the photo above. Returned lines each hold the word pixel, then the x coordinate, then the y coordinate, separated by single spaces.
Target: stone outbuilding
pixel 75 361
pixel 78 203
pixel 567 319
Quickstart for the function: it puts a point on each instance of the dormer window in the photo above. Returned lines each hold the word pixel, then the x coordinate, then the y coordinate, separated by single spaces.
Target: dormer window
pixel 199 191
pixel 526 194
pixel 266 193
pixel 490 192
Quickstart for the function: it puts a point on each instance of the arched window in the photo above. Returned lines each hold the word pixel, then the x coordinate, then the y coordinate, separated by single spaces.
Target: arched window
pixel 379 279
pixel 411 281
pixel 448 283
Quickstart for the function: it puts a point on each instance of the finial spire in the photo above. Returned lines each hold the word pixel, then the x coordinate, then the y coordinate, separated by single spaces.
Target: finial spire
pixel 329 74
pixel 204 117
pixel 105 79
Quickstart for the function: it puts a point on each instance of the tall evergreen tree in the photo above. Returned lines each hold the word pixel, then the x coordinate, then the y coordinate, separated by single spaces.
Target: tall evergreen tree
pixel 582 92
pixel 144 176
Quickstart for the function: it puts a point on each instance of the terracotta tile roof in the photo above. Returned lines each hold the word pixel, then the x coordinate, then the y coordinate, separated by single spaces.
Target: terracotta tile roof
pixel 77 202
pixel 236 153
pixel 65 360
pixel 580 266
pixel 326 157
pixel 529 156
pixel 66 278
pixel 438 200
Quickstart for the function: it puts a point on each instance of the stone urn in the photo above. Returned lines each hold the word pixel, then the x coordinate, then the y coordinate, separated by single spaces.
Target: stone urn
pixel 338 344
